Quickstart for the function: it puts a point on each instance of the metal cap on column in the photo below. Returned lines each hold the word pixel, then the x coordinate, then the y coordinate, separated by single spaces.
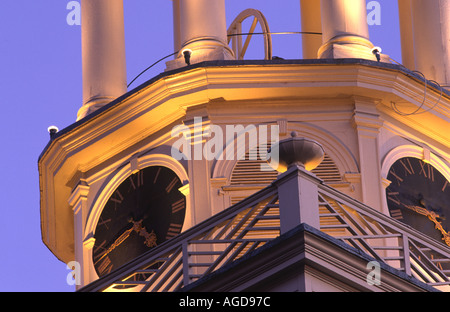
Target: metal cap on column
pixel 202 32
pixel 103 53
pixel 425 32
pixel 345 30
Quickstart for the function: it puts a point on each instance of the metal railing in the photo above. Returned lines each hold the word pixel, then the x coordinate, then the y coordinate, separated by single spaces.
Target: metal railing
pixel 385 239
pixel 253 222
pixel 201 250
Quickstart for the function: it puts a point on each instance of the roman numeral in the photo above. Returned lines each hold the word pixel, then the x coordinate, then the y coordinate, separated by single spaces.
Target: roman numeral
pixel 105 266
pixel 397 214
pixel 137 180
pixel 174 230
pixel 396 176
pixel 394 200
pixel 104 222
pixel 178 205
pixel 427 171
pixel 408 167
pixel 96 250
pixel 171 185
pixel 117 197
pixel 392 196
pixel 445 186
pixel 156 175
pixel 431 172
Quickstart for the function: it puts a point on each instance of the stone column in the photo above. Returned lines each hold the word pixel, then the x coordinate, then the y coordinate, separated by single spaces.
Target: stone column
pixel 345 30
pixel 425 31
pixel 103 53
pixel 311 22
pixel 202 31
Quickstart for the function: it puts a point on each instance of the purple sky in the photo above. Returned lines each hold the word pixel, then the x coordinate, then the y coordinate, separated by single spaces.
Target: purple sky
pixel 41 86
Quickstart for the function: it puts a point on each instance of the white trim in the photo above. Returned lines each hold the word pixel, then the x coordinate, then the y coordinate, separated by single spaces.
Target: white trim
pixel 415 151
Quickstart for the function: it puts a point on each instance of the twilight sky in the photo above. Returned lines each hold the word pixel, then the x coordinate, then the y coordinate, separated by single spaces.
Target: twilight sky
pixel 41 86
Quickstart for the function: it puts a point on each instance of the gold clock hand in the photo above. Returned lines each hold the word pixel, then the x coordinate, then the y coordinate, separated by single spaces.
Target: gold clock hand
pixel 150 238
pixel 116 243
pixel 419 210
pixel 434 218
pixel 137 226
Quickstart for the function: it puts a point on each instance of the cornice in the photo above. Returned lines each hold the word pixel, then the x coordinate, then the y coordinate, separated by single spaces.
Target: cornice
pixel 161 102
pixel 232 75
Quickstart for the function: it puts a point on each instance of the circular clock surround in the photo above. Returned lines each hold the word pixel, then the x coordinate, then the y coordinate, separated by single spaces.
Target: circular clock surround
pixel 419 195
pixel 145 210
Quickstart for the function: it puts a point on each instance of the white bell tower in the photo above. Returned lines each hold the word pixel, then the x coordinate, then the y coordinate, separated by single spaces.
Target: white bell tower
pixel 365 113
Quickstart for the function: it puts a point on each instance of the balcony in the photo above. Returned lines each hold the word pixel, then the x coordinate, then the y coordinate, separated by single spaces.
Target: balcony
pixel 251 232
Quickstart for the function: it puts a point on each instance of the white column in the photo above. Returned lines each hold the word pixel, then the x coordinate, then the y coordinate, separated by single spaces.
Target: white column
pixel 311 22
pixel 425 30
pixel 202 30
pixel 345 30
pixel 103 53
pixel 176 25
pixel 406 32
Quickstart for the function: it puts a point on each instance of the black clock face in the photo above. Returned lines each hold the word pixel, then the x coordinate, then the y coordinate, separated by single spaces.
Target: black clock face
pixel 144 211
pixel 419 196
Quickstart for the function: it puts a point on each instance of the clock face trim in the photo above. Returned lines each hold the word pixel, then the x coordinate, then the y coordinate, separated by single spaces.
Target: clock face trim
pixel 145 210
pixel 419 195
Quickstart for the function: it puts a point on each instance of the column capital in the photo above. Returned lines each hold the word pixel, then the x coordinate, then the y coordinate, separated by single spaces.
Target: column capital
pixel 79 196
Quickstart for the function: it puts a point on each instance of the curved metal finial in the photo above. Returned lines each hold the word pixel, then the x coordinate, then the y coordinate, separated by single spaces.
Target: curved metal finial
pixel 235 31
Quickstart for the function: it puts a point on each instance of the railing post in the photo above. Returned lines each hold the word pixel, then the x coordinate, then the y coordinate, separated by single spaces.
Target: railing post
pixel 186 269
pixel 298 198
pixel 297 186
pixel 406 257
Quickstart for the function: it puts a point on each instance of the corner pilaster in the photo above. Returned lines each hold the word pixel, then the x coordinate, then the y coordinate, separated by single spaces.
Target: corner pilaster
pixel 367 124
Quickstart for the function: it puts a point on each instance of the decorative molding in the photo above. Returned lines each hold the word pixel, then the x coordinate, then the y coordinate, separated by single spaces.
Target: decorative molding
pixel 89 242
pixel 415 151
pixel 185 190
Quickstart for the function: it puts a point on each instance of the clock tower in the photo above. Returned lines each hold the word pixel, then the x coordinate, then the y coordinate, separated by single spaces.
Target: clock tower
pixel 157 187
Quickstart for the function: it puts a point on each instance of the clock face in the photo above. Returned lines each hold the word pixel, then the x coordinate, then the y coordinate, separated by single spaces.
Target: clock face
pixel 144 211
pixel 419 196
